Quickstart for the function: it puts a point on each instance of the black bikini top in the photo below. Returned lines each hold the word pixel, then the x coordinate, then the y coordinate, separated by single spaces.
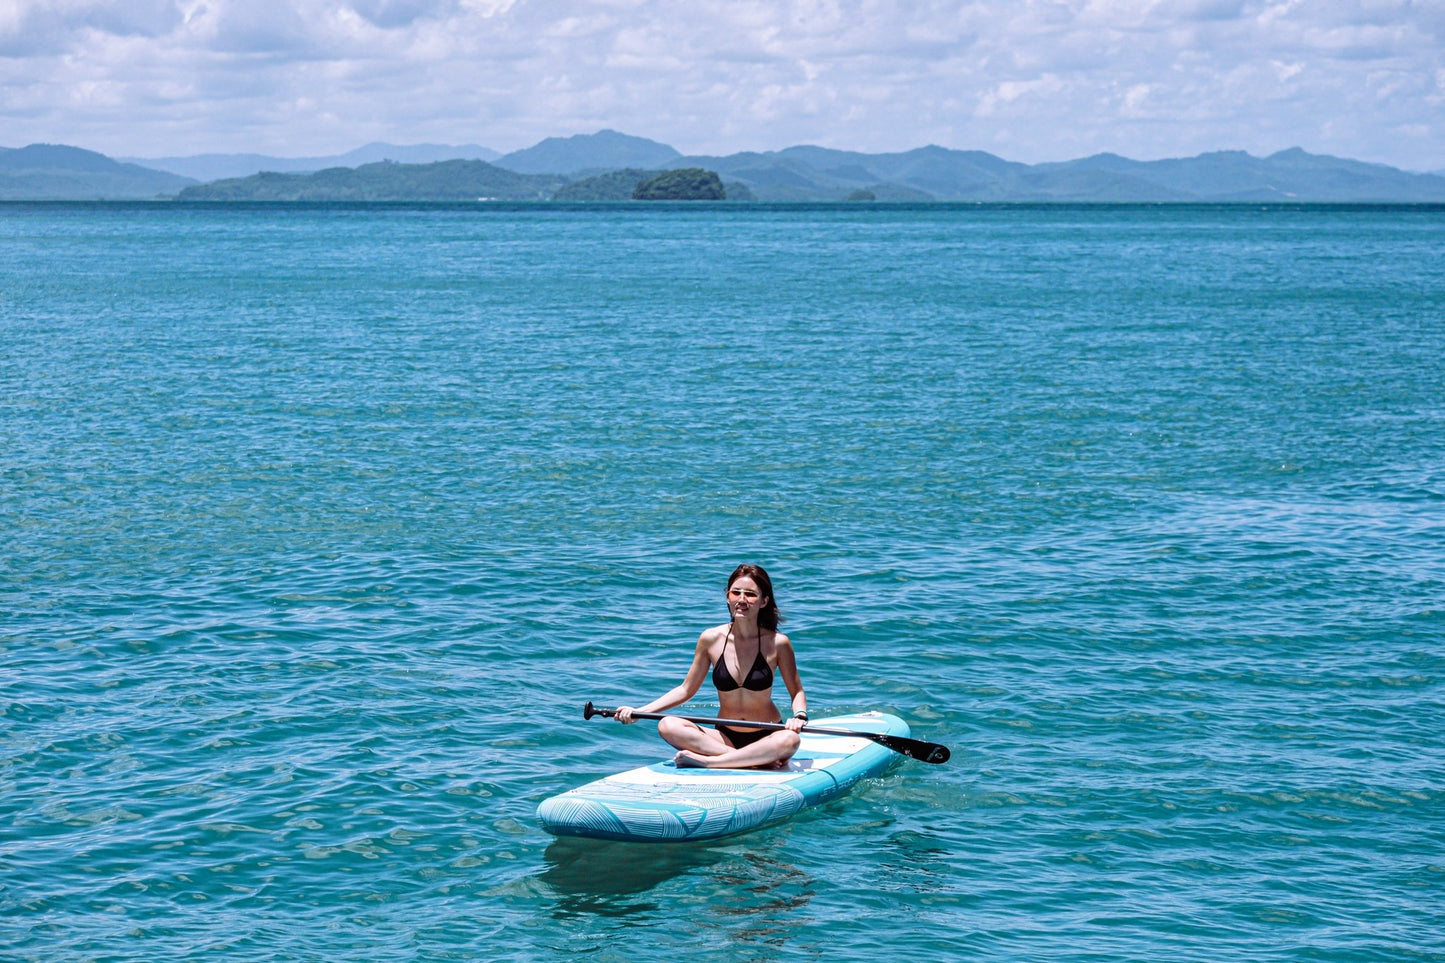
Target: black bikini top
pixel 759 677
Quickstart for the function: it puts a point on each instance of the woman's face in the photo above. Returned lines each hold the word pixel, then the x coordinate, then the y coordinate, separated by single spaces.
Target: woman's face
pixel 745 600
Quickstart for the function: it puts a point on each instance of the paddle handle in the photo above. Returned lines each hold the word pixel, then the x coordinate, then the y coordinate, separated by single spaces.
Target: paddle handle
pixel 912 748
pixel 590 710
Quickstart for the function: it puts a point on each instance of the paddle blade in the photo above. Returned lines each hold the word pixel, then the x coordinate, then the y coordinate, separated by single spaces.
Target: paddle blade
pixel 914 748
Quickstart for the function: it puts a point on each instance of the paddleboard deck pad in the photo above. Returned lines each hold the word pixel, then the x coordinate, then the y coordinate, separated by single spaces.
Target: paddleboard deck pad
pixel 665 803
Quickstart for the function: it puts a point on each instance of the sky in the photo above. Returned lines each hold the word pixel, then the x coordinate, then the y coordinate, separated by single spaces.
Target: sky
pixel 1029 80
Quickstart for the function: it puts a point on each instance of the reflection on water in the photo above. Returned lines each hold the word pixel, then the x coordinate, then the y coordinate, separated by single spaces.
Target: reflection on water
pixel 744 885
pixel 760 901
pixel 598 876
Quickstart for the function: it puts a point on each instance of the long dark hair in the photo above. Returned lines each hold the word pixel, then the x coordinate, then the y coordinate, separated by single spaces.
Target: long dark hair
pixel 768 615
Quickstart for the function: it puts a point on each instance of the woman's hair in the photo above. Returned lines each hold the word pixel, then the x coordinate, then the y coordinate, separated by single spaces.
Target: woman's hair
pixel 768 615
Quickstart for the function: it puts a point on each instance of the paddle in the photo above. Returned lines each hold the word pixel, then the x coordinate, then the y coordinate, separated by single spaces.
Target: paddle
pixel 912 748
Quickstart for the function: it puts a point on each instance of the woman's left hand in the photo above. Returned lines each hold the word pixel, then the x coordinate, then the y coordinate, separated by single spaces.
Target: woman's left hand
pixel 794 724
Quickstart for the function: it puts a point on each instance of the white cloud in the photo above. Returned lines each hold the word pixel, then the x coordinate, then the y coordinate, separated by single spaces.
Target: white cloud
pixel 31 27
pixel 1029 79
pixel 393 14
pixel 1285 71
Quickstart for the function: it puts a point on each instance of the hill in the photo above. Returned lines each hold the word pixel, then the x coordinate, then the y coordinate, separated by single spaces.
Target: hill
pixel 684 184
pixel 611 186
pixel 45 172
pixel 1235 176
pixel 456 180
pixel 623 185
pixel 211 167
pixel 589 153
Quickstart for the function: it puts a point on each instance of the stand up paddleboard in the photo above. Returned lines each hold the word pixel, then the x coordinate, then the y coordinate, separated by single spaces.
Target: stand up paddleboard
pixel 665 803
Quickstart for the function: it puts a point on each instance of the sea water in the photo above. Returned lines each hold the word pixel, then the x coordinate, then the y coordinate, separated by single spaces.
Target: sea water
pixel 320 524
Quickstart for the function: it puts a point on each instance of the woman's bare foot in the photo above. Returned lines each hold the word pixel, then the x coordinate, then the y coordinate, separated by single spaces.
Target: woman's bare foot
pixel 691 760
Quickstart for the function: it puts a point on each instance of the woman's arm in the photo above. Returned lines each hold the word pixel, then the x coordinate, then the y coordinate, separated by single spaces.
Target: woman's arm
pixel 680 693
pixel 788 666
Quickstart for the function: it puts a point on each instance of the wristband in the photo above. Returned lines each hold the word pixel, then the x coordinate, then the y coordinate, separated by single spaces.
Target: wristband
pixel 801 714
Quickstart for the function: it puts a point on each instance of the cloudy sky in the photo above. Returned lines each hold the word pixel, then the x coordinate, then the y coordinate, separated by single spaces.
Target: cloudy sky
pixel 1030 80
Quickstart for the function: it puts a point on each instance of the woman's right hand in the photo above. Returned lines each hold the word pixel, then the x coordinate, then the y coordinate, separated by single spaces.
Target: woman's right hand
pixel 624 715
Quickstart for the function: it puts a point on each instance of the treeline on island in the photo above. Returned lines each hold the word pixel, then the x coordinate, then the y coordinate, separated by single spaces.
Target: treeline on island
pixel 467 180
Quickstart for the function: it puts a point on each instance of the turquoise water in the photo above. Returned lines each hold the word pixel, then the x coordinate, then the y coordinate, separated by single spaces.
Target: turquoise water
pixel 320 524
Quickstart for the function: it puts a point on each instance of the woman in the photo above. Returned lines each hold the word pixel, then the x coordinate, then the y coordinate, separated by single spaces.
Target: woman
pixel 744 654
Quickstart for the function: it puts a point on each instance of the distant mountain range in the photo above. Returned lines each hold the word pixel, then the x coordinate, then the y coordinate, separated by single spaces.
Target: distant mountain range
pixel 935 173
pixel 437 172
pixel 214 167
pixel 44 172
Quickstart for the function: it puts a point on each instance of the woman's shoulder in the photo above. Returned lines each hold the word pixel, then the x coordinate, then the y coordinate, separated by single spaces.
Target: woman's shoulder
pixel 713 634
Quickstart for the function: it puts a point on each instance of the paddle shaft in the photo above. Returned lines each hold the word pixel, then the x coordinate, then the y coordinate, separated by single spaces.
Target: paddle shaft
pixel 912 748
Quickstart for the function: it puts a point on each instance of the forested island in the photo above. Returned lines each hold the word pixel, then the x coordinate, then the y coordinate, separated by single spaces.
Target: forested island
pixel 686 184
pixel 453 180
pixel 461 180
